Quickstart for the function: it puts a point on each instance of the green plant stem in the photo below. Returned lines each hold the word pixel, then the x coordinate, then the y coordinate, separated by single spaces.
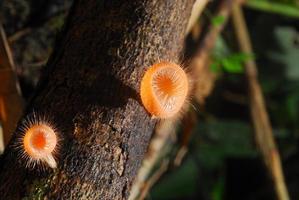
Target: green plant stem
pixel 274 7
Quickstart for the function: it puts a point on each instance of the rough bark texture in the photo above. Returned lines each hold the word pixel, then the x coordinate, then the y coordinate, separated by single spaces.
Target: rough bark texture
pixel 90 91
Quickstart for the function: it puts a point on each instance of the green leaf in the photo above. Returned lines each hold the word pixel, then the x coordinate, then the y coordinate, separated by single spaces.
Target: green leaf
pixel 215 67
pixel 218 20
pixel 232 66
pixel 288 55
pixel 234 63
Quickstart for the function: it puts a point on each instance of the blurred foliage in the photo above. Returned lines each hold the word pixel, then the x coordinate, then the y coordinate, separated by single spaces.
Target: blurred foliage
pixel 288 8
pixel 223 139
pixel 223 60
pixel 179 183
pixel 286 38
pixel 213 143
pixel 218 20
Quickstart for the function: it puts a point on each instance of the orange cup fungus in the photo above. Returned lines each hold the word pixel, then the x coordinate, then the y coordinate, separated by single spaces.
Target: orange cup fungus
pixel 164 89
pixel 38 143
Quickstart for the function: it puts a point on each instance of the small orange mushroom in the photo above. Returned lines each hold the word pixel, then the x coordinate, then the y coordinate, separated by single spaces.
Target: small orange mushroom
pixel 38 141
pixel 164 89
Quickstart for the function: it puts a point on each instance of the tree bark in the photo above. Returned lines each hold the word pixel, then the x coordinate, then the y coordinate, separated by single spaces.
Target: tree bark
pixel 90 90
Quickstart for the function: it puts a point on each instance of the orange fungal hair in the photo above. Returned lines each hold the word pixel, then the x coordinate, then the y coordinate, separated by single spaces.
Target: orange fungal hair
pixel 164 89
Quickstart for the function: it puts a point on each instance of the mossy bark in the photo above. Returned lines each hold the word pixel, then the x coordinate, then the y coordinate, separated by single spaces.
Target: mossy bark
pixel 90 91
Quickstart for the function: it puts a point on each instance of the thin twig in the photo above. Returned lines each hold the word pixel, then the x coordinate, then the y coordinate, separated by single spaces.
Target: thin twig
pixel 205 79
pixel 10 95
pixel 19 34
pixel 28 30
pixel 200 61
pixel 262 126
pixel 162 133
pixel 153 179
pixel 197 9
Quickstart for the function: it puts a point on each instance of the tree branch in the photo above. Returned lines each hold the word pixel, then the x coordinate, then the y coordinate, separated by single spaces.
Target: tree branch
pixel 90 89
